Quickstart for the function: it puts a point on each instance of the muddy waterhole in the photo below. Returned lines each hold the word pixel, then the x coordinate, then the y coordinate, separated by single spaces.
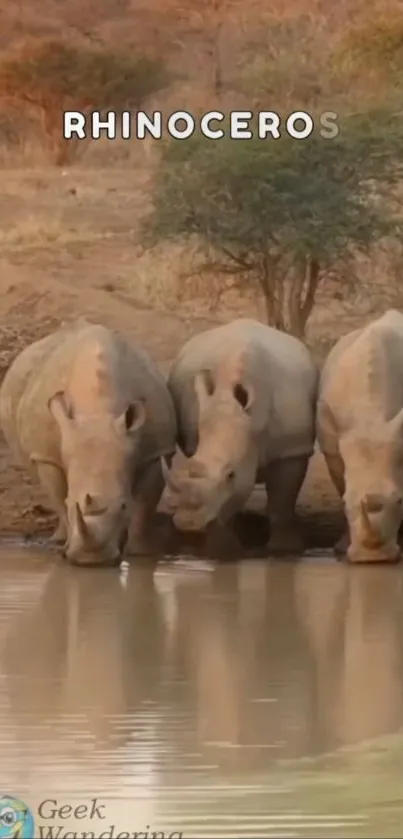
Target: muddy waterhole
pixel 248 699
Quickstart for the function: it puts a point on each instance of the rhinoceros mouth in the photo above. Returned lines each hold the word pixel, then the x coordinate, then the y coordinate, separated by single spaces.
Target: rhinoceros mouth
pixel 375 556
pixel 97 562
pixel 193 525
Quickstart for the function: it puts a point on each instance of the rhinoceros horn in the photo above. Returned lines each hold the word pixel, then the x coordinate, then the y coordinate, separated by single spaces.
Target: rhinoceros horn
pixel 180 459
pixel 82 529
pixel 165 469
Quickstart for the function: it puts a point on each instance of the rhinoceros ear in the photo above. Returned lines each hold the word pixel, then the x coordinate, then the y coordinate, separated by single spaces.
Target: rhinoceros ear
pixel 59 409
pixel 133 418
pixel 245 396
pixel 204 386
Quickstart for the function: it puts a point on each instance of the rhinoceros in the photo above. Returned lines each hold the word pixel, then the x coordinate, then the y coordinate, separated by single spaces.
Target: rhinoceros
pixel 90 415
pixel 245 396
pixel 360 432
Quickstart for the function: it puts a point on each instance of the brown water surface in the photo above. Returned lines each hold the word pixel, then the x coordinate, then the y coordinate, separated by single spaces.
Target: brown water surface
pixel 202 699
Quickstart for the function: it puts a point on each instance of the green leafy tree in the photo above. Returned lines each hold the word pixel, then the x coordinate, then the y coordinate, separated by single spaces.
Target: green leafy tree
pixel 47 77
pixel 282 215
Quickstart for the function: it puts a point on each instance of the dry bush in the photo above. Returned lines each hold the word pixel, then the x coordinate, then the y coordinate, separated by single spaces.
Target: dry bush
pixel 281 216
pixel 46 77
pixel 284 220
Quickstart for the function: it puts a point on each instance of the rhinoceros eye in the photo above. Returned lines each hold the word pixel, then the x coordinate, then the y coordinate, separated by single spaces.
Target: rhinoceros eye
pixel 231 475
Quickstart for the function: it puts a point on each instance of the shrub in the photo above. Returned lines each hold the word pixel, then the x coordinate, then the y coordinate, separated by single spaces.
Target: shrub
pixel 47 77
pixel 282 215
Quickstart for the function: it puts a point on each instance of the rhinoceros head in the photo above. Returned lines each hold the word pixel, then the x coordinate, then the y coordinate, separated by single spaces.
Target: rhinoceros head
pixel 202 488
pixel 98 454
pixel 373 496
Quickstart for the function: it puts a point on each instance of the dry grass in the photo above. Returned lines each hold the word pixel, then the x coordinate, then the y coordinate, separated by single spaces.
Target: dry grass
pixel 192 37
pixel 84 222
pixel 88 221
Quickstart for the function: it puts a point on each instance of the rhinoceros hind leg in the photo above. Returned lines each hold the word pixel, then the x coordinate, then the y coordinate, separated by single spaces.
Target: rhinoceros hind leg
pixel 284 479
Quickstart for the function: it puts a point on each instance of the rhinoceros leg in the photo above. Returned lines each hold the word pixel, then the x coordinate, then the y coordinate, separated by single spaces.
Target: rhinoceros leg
pixel 284 479
pixel 222 541
pixel 147 495
pixel 54 483
pixel 335 466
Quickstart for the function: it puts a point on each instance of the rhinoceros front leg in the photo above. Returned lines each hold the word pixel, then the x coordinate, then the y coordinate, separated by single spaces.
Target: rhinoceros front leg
pixel 147 494
pixel 222 541
pixel 284 479
pixel 53 481
pixel 335 467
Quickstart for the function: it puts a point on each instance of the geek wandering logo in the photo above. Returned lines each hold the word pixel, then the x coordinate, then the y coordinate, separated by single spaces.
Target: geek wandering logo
pixel 52 820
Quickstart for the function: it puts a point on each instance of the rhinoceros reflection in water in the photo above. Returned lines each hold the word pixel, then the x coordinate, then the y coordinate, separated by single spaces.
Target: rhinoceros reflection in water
pixel 86 654
pixel 352 620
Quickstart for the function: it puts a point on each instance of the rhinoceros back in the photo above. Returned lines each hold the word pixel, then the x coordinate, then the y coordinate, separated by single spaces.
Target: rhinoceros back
pixel 280 370
pixel 99 371
pixel 25 368
pixel 361 380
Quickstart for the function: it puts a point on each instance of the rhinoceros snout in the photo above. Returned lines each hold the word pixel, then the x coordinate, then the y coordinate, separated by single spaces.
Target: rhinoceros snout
pixel 87 562
pixel 191 523
pixel 360 554
pixel 96 560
